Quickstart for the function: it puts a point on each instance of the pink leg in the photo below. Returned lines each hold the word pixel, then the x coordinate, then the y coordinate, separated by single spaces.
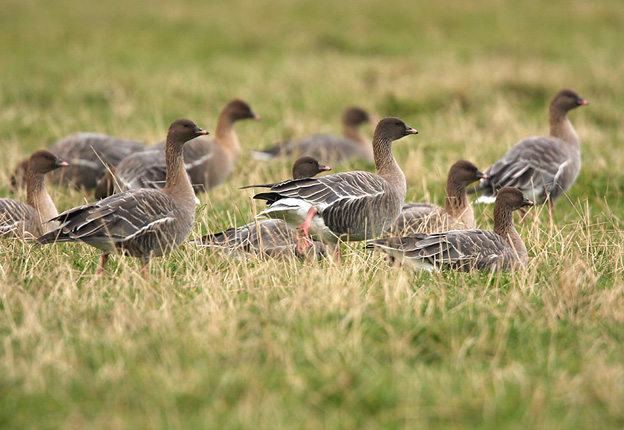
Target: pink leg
pixel 551 210
pixel 337 254
pixel 103 261
pixel 523 215
pixel 303 237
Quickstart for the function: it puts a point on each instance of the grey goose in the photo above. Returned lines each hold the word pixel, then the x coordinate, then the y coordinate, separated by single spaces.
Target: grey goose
pixel 208 162
pixel 270 237
pixel 465 250
pixel 89 156
pixel 327 147
pixel 457 212
pixel 542 167
pixel 142 223
pixel 19 219
pixel 349 206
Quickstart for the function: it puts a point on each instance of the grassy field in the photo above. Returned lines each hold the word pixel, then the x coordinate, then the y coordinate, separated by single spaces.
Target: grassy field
pixel 210 342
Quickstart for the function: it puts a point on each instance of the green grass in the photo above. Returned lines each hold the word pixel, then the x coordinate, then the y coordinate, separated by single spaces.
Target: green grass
pixel 209 342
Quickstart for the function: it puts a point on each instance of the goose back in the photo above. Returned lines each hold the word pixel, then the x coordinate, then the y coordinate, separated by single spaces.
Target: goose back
pixel 328 147
pixel 271 237
pixel 89 154
pixel 18 219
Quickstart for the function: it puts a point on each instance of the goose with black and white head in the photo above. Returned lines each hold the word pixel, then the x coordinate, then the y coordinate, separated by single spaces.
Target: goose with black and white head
pixel 349 206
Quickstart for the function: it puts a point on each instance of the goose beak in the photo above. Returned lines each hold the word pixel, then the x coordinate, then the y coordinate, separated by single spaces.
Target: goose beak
pixel 410 130
pixel 61 163
pixel 255 117
pixel 323 167
pixel 583 102
pixel 527 202
pixel 481 175
pixel 200 131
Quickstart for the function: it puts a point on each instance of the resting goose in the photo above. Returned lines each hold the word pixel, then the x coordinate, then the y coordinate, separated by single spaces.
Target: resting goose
pixel 464 250
pixel 457 212
pixel 208 162
pixel 350 206
pixel 332 149
pixel 272 237
pixel 542 167
pixel 142 223
pixel 89 155
pixel 19 219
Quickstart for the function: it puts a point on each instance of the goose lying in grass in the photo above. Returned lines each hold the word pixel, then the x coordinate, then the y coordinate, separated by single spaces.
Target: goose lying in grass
pixel 89 156
pixel 464 250
pixel 271 237
pixel 457 212
pixel 330 148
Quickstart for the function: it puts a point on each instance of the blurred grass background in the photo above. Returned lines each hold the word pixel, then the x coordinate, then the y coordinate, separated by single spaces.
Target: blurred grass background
pixel 209 342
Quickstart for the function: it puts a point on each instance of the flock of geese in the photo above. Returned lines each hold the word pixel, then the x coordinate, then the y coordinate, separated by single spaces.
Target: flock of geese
pixel 146 196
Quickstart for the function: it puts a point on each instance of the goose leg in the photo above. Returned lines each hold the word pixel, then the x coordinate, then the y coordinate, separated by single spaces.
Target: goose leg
pixel 551 210
pixel 145 261
pixel 303 235
pixel 523 215
pixel 337 254
pixel 103 260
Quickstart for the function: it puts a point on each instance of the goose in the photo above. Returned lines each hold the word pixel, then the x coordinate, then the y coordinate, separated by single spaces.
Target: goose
pixel 464 250
pixel 331 148
pixel 208 162
pixel 542 167
pixel 142 223
pixel 89 155
pixel 18 219
pixel 349 206
pixel 457 212
pixel 271 237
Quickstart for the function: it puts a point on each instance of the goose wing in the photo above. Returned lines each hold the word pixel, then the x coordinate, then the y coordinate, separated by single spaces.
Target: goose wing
pixel 145 169
pixel 532 164
pixel 328 191
pixel 457 249
pixel 252 236
pixel 116 219
pixel 14 215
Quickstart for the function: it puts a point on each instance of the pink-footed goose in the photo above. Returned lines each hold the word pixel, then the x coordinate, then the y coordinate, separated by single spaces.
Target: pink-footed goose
pixel 89 156
pixel 208 162
pixel 542 167
pixel 457 212
pixel 464 250
pixel 142 223
pixel 18 219
pixel 270 237
pixel 330 148
pixel 349 206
